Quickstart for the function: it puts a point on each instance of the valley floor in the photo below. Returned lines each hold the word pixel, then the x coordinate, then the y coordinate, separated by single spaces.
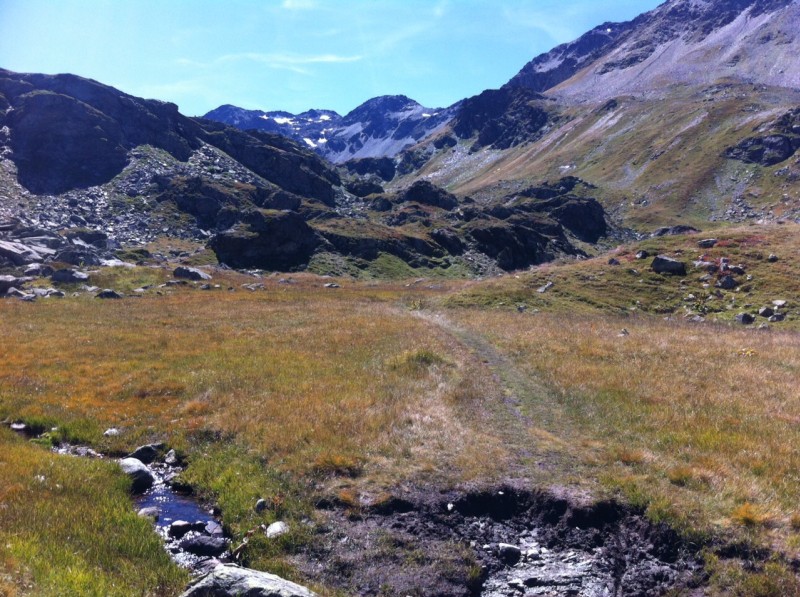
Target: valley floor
pixel 342 405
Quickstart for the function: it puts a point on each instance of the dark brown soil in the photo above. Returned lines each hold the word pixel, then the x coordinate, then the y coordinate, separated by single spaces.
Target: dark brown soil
pixel 460 544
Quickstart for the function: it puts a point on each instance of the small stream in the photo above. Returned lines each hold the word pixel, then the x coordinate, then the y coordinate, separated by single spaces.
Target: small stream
pixel 191 533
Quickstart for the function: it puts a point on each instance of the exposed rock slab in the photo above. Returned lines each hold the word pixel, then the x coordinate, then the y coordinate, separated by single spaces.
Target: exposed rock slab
pixel 229 580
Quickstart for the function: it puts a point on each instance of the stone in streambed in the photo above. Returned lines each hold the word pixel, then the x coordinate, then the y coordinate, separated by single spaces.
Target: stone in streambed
pixel 141 477
pixel 229 580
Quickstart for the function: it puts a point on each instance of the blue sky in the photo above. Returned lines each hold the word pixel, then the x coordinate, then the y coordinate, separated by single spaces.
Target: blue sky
pixel 294 54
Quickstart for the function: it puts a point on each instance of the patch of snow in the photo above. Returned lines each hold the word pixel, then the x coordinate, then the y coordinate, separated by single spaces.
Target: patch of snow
pixel 309 142
pixel 284 120
pixel 322 141
pixel 324 118
pixel 264 117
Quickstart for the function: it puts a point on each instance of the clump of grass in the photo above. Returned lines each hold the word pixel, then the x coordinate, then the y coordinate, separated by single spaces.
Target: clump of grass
pixel 339 465
pixel 416 360
pixel 749 515
pixel 681 476
pixel 794 521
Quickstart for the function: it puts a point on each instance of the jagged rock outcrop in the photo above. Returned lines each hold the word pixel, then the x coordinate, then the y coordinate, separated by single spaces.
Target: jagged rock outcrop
pixel 267 239
pixel 502 118
pixel 780 141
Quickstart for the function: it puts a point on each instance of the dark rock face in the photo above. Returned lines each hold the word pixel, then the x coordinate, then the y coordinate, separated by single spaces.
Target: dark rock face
pixel 427 193
pixel 667 265
pixel 266 239
pixel 502 118
pixel 382 167
pixel 558 65
pixel 781 142
pixel 68 132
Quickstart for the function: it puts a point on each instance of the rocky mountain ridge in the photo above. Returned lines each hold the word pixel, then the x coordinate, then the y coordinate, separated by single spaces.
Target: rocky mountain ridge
pixel 382 126
pixel 680 42
pixel 130 171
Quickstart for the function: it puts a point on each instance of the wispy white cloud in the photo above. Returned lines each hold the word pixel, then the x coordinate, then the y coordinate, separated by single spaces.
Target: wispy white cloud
pixel 560 27
pixel 280 61
pixel 299 4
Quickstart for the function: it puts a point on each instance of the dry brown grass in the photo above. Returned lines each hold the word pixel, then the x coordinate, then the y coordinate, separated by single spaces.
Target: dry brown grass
pixel 705 416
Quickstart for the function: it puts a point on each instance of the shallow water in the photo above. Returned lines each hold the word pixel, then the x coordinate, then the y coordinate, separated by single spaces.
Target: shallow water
pixel 172 507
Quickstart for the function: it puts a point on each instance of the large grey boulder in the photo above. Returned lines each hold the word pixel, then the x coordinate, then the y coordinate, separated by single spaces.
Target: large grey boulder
pixel 229 580
pixel 20 254
pixel 667 265
pixel 141 477
pixel 8 282
pixel 148 453
pixel 69 276
pixel 190 273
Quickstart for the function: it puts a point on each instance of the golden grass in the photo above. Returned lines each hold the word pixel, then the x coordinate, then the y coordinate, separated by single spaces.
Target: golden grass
pixel 265 392
pixel 701 425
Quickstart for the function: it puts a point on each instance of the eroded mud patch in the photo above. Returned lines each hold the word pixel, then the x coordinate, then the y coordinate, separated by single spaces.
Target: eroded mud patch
pixel 498 542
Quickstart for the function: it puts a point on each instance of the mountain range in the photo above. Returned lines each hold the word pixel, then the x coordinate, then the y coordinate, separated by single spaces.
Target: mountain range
pixel 685 115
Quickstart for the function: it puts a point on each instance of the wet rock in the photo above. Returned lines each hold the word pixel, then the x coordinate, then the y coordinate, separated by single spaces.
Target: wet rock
pixel 147 454
pixel 172 458
pixel 229 580
pixel 181 528
pixel 276 529
pixel 203 545
pixel 745 318
pixel 141 477
pixel 214 529
pixel 190 273
pixel 667 265
pixel 69 276
pixel 108 293
pixel 152 513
